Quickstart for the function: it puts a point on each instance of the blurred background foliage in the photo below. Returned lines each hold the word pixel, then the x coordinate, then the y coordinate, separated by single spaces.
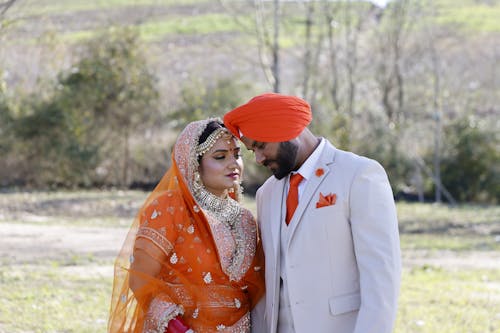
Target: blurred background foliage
pixel 93 94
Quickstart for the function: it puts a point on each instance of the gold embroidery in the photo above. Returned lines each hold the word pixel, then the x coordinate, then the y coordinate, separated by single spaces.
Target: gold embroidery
pixel 158 239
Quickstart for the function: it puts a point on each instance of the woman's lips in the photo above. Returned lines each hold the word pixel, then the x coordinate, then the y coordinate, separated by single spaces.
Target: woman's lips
pixel 233 175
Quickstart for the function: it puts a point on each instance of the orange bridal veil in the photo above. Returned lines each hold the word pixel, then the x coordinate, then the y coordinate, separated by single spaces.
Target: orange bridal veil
pixel 192 281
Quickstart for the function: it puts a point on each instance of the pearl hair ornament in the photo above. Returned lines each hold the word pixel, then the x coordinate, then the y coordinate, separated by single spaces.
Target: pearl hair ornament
pixel 203 147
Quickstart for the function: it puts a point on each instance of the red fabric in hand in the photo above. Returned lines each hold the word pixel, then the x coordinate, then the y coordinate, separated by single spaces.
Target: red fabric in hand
pixel 177 325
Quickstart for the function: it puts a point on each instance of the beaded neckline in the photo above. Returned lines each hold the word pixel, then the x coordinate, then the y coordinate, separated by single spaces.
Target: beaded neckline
pixel 225 209
pixel 228 212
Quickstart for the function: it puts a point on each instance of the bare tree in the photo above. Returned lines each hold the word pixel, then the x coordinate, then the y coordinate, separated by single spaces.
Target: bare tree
pixel 4 6
pixel 309 23
pixel 313 49
pixel 267 35
pixel 391 39
pixel 276 45
pixel 392 36
pixel 431 84
pixel 438 127
pixel 354 19
pixel 330 10
pixel 435 66
pixel 351 43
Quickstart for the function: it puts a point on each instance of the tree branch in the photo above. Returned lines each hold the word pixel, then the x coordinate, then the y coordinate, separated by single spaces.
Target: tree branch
pixel 4 6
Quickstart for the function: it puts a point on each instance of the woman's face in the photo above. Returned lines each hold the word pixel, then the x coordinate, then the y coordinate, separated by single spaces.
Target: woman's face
pixel 222 167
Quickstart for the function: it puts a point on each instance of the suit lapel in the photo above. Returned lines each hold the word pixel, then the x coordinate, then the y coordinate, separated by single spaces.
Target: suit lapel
pixel 326 158
pixel 276 212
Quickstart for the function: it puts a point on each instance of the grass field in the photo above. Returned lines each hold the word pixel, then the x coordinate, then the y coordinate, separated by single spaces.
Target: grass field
pixel 84 19
pixel 57 251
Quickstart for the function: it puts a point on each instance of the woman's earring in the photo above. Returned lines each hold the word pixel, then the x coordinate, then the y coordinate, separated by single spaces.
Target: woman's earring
pixel 197 184
pixel 237 192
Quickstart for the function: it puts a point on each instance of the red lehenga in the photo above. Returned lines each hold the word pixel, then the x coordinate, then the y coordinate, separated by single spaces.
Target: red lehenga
pixel 210 255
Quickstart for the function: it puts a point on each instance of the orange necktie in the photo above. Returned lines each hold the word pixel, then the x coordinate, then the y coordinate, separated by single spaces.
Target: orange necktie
pixel 292 200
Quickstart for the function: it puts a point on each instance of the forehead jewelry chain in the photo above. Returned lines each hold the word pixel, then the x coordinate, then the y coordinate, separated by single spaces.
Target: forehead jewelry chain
pixel 210 141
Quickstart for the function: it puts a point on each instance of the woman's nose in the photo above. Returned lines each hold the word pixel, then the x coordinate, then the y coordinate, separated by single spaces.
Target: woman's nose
pixel 233 161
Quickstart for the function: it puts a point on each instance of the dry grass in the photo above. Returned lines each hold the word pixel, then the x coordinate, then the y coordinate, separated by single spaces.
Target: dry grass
pixel 57 252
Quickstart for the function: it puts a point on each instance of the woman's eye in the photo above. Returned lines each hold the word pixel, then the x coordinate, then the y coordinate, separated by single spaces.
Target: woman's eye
pixel 219 157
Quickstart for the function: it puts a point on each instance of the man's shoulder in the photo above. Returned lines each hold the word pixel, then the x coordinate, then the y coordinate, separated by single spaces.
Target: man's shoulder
pixel 268 184
pixel 351 163
pixel 344 156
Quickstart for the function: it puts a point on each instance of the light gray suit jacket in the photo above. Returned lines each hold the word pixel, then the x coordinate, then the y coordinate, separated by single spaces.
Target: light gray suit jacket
pixel 343 260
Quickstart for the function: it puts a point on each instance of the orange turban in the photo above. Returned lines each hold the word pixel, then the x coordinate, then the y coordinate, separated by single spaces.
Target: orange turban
pixel 269 118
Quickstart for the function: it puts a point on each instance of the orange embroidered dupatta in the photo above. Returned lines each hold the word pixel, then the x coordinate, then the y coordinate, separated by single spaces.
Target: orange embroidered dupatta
pixel 175 232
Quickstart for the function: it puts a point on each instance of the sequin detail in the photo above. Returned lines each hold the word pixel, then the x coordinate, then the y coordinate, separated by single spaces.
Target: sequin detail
pixel 173 259
pixel 159 314
pixel 236 246
pixel 207 278
pixel 157 238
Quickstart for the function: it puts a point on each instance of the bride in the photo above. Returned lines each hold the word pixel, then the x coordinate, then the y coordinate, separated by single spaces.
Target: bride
pixel 192 260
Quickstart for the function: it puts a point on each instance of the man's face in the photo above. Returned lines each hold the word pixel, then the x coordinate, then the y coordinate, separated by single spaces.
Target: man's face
pixel 279 157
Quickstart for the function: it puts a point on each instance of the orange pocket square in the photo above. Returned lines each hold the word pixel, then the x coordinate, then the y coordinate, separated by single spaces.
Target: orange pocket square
pixel 326 200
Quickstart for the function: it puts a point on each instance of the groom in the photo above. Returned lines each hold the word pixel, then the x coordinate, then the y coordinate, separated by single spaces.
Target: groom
pixel 328 224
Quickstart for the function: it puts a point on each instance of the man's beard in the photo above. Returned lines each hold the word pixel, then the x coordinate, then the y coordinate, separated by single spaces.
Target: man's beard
pixel 286 159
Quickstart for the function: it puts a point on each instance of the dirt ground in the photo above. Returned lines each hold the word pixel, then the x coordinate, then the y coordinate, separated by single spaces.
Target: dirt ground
pixel 79 246
pixel 31 243
pixel 40 239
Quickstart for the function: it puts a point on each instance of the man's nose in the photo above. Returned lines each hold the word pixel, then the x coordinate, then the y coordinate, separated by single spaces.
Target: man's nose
pixel 259 158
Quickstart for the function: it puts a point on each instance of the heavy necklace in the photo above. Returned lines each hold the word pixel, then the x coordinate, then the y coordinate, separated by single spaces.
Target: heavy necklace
pixel 226 210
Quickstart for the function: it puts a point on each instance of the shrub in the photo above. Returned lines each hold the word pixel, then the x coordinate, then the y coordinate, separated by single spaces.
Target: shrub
pixel 471 161
pixel 88 119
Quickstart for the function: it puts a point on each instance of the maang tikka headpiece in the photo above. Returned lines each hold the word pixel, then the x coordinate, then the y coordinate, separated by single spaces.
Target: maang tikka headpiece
pixel 205 146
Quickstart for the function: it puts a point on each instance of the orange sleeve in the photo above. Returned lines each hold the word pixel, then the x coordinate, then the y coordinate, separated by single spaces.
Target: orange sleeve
pixel 158 226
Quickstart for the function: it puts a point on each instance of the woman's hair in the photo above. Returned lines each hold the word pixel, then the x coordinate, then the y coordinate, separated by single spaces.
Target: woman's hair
pixel 211 126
